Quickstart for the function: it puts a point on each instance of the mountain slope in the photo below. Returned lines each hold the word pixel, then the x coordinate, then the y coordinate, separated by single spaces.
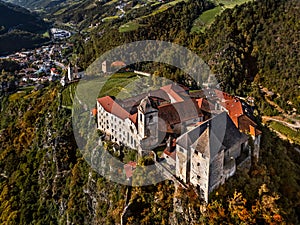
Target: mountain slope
pixel 15 17
pixel 19 28
pixel 254 41
pixel 258 41
pixel 36 4
pixel 44 178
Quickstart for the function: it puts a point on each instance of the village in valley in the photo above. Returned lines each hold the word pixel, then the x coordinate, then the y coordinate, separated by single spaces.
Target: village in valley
pixel 37 68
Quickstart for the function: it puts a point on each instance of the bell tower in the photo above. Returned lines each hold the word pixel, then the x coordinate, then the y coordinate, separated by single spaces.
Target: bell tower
pixel 147 123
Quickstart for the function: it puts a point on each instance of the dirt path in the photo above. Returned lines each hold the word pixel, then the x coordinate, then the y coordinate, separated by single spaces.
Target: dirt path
pixel 290 125
pixel 296 122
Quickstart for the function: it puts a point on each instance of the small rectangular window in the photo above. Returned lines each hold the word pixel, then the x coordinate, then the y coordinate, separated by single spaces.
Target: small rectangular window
pixel 150 119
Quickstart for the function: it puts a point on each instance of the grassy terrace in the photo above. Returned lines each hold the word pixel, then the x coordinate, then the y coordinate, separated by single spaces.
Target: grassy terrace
pixel 286 131
pixel 205 19
pixel 208 17
pixel 110 18
pixel 231 3
pixel 164 7
pixel 115 85
pixel 130 26
pixel 134 25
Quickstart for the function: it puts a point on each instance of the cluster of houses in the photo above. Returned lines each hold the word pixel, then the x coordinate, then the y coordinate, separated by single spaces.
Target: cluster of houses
pixel 205 133
pixel 42 65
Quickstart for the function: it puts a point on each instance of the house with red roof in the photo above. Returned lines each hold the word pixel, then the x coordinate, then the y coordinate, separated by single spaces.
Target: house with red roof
pixel 239 114
pixel 129 169
pixel 117 123
pixel 146 120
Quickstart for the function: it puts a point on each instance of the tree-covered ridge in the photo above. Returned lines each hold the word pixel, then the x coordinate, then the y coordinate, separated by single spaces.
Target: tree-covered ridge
pixel 254 40
pixel 36 4
pixel 19 28
pixel 172 25
pixel 44 178
pixel 258 40
pixel 13 17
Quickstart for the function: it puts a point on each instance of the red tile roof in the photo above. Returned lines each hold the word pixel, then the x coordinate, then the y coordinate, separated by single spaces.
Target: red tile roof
pixel 232 104
pixel 179 112
pixel 94 111
pixel 129 167
pixel 234 107
pixel 112 107
pixel 170 154
pixel 133 118
pixel 248 125
pixel 118 64
pixel 175 91
pixel 236 113
pixel 223 95
pixel 205 105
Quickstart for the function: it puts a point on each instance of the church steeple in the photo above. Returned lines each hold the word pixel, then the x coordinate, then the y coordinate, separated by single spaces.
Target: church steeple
pixel 148 122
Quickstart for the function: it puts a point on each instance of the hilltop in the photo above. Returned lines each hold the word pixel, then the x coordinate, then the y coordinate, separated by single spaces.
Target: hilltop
pixel 252 49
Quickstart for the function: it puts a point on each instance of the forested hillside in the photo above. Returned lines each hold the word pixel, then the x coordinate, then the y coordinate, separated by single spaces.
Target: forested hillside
pixel 19 28
pixel 15 17
pixel 254 41
pixel 44 179
pixel 258 41
pixel 36 4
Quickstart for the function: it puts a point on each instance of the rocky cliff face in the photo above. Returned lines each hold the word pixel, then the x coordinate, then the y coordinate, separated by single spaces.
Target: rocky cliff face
pixel 44 178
